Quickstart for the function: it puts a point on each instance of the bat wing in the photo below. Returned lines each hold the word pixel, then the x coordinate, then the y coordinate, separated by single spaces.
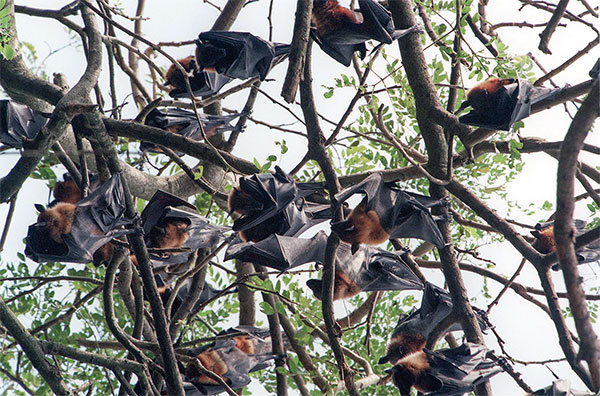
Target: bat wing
pixel 560 387
pixel 377 21
pixel 172 117
pixel 595 70
pixel 499 115
pixel 275 191
pixel 334 46
pixel 386 271
pixel 460 369
pixel 252 56
pixel 19 122
pixel 280 252
pixel 527 96
pixel 157 204
pixel 202 84
pixel 372 186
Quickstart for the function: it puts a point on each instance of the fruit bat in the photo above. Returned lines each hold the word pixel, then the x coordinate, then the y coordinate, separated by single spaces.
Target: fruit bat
pixel 445 372
pixel 184 123
pixel 236 54
pixel 273 203
pixel 19 123
pixel 387 212
pixel 74 232
pixel 169 227
pixel 232 359
pixel 544 242
pixel 68 191
pixel 280 252
pixel 497 103
pixel 560 387
pixel 369 269
pixel 165 289
pixel 202 83
pixel 340 32
pixel 412 330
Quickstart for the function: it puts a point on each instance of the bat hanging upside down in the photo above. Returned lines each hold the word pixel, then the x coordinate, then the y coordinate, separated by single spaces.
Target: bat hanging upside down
pixel 361 226
pixel 174 77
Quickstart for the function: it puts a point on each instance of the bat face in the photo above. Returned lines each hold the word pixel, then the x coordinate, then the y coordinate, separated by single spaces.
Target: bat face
pixel 174 76
pixel 172 233
pixel 208 56
pixel 58 220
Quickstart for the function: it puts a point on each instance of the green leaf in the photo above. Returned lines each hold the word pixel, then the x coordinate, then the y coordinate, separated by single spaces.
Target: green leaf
pixel 266 308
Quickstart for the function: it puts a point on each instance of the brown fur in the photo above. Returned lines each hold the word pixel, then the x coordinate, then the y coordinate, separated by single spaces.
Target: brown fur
pixel 544 243
pixel 67 191
pixel 174 77
pixel 245 344
pixel 404 344
pixel 331 16
pixel 365 225
pixel 412 371
pixel 344 287
pixel 480 94
pixel 58 219
pixel 174 235
pixel 211 360
pixel 238 201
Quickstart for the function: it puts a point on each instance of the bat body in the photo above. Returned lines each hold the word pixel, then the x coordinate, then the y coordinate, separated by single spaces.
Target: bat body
pixel 231 359
pixel 19 123
pixel 387 212
pixel 499 102
pixel 448 372
pixel 185 123
pixel 369 269
pixel 201 83
pixel 68 191
pixel 274 204
pixel 172 233
pixel 340 32
pixel 75 232
pixel 236 54
pixel 412 330
pixel 560 387
pixel 545 243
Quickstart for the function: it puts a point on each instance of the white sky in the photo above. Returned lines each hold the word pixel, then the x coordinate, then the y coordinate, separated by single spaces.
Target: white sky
pixel 529 332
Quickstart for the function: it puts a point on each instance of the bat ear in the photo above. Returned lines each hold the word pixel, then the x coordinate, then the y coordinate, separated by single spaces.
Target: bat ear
pixel 536 233
pixel 40 208
pixel 383 360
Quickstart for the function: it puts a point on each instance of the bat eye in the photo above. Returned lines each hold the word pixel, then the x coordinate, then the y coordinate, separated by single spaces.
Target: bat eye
pixel 55 223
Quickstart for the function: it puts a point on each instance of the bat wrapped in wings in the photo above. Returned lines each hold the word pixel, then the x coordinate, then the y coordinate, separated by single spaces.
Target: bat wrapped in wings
pixel 497 103
pixel 560 387
pixel 340 32
pixel 166 226
pixel 280 252
pixel 201 83
pixel 387 212
pixel 68 191
pixel 412 330
pixel 231 359
pixel 369 269
pixel 184 123
pixel 80 232
pixel 236 54
pixel 273 203
pixel 544 242
pixel 19 123
pixel 445 372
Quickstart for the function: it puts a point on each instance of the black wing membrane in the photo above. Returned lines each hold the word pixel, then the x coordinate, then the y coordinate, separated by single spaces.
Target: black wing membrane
pixel 402 214
pixel 202 84
pixel 19 123
pixel 246 55
pixel 280 252
pixel 102 210
pixel 512 103
pixel 560 387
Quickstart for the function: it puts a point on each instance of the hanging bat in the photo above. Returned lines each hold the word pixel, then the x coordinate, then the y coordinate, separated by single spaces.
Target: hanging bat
pixel 280 252
pixel 497 103
pixel 202 83
pixel 560 387
pixel 74 232
pixel 231 359
pixel 19 123
pixel 387 212
pixel 412 330
pixel 68 191
pixel 237 54
pixel 369 269
pixel 544 242
pixel 445 372
pixel 167 226
pixel 165 290
pixel 340 32
pixel 274 204
pixel 184 123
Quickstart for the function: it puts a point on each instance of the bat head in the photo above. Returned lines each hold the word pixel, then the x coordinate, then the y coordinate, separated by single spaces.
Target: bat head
pixel 58 220
pixel 403 344
pixel 208 55
pixel 316 285
pixel 403 379
pixel 242 202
